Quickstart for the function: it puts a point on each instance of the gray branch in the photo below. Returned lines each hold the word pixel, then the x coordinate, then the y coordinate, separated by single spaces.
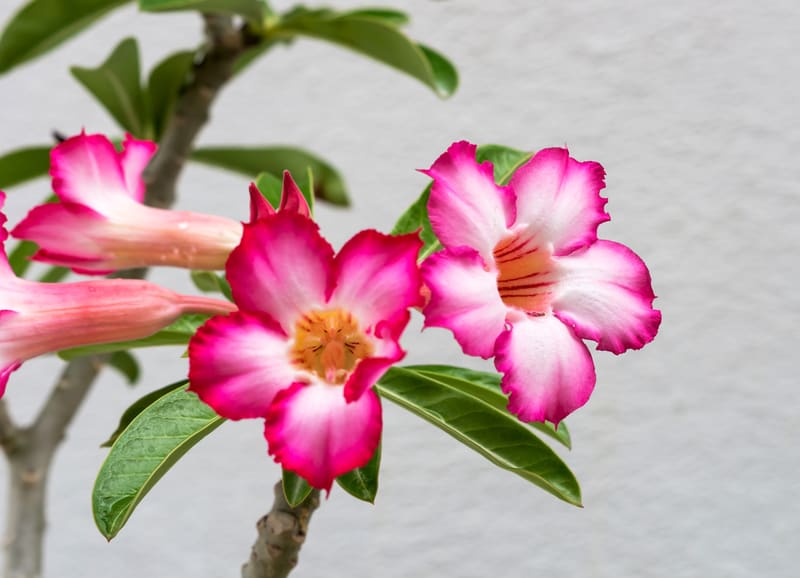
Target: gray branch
pixel 30 450
pixel 281 534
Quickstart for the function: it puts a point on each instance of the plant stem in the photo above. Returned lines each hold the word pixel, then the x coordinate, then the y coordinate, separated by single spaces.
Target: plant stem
pixel 30 449
pixel 281 534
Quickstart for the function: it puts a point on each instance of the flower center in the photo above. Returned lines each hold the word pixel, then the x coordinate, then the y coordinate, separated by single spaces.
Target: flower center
pixel 329 343
pixel 526 275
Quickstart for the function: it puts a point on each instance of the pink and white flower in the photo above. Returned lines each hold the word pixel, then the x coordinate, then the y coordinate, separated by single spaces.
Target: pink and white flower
pixel 313 333
pixel 524 278
pixel 38 318
pixel 101 225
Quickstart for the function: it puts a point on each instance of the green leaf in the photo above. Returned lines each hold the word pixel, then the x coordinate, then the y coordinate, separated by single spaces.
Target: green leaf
pixel 151 444
pixel 164 86
pixel 495 434
pixel 211 282
pixel 486 386
pixel 252 9
pixel 178 333
pixel 116 84
pixel 251 161
pixel 126 364
pixel 271 188
pixel 506 160
pixel 41 25
pixel 19 258
pixel 54 275
pixel 387 15
pixel 373 33
pixel 23 165
pixel 362 483
pixel 138 407
pixel 295 488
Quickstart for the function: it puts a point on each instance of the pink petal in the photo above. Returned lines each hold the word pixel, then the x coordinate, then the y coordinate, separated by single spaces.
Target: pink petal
pixel 464 299
pixel 136 154
pixel 466 207
pixel 547 370
pixel 606 295
pixel 292 198
pixel 559 198
pixel 86 170
pixel 238 363
pixel 259 207
pixel 314 432
pixel 377 277
pixel 387 352
pixel 5 372
pixel 282 267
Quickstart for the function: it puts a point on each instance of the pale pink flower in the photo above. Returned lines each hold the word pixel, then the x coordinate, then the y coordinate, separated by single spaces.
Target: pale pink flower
pixel 38 318
pixel 524 278
pixel 313 333
pixel 101 225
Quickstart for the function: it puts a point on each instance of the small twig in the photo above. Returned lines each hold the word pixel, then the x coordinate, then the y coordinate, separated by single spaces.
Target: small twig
pixel 281 534
pixel 8 429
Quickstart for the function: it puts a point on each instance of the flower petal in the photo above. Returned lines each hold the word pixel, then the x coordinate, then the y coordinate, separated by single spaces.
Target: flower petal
pixel 136 154
pixel 238 363
pixel 314 432
pixel 606 295
pixel 464 299
pixel 376 276
pixel 387 352
pixel 466 207
pixel 281 267
pixel 86 169
pixel 292 198
pixel 259 207
pixel 547 370
pixel 5 372
pixel 559 198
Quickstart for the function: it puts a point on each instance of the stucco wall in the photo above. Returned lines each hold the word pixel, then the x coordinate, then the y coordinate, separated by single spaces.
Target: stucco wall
pixel 687 452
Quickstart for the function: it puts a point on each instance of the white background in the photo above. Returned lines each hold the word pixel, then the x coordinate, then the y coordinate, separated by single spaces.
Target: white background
pixel 688 450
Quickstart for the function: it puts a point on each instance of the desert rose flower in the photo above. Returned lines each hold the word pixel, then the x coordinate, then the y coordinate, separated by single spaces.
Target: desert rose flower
pixel 101 225
pixel 38 318
pixel 313 333
pixel 524 278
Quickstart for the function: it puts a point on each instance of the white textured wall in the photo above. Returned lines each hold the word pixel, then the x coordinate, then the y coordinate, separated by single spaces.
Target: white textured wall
pixel 687 452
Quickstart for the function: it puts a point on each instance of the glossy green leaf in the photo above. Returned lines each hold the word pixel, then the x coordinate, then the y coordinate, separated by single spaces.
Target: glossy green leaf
pixel 362 482
pixel 54 275
pixel 372 35
pixel 271 188
pixel 23 165
pixel 164 86
pixel 495 434
pixel 178 333
pixel 126 364
pixel 486 386
pixel 506 160
pixel 295 488
pixel 251 161
pixel 253 9
pixel 41 25
pixel 387 15
pixel 211 282
pixel 151 444
pixel 20 256
pixel 138 407
pixel 116 84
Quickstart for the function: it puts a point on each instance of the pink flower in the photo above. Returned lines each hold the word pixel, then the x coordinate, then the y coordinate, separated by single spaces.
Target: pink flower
pixel 100 224
pixel 313 333
pixel 524 278
pixel 38 318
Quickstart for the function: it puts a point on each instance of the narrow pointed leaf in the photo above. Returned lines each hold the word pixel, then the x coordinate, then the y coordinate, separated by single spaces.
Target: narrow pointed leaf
pixel 375 34
pixel 362 482
pixel 54 275
pixel 138 407
pixel 295 488
pixel 211 282
pixel 270 187
pixel 164 86
pixel 116 84
pixel 486 386
pixel 23 165
pixel 251 161
pixel 126 364
pixel 151 444
pixel 41 25
pixel 493 433
pixel 386 15
pixel 19 258
pixel 252 9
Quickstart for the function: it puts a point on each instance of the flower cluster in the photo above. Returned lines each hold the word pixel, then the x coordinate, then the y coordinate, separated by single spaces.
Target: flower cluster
pixel 522 277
